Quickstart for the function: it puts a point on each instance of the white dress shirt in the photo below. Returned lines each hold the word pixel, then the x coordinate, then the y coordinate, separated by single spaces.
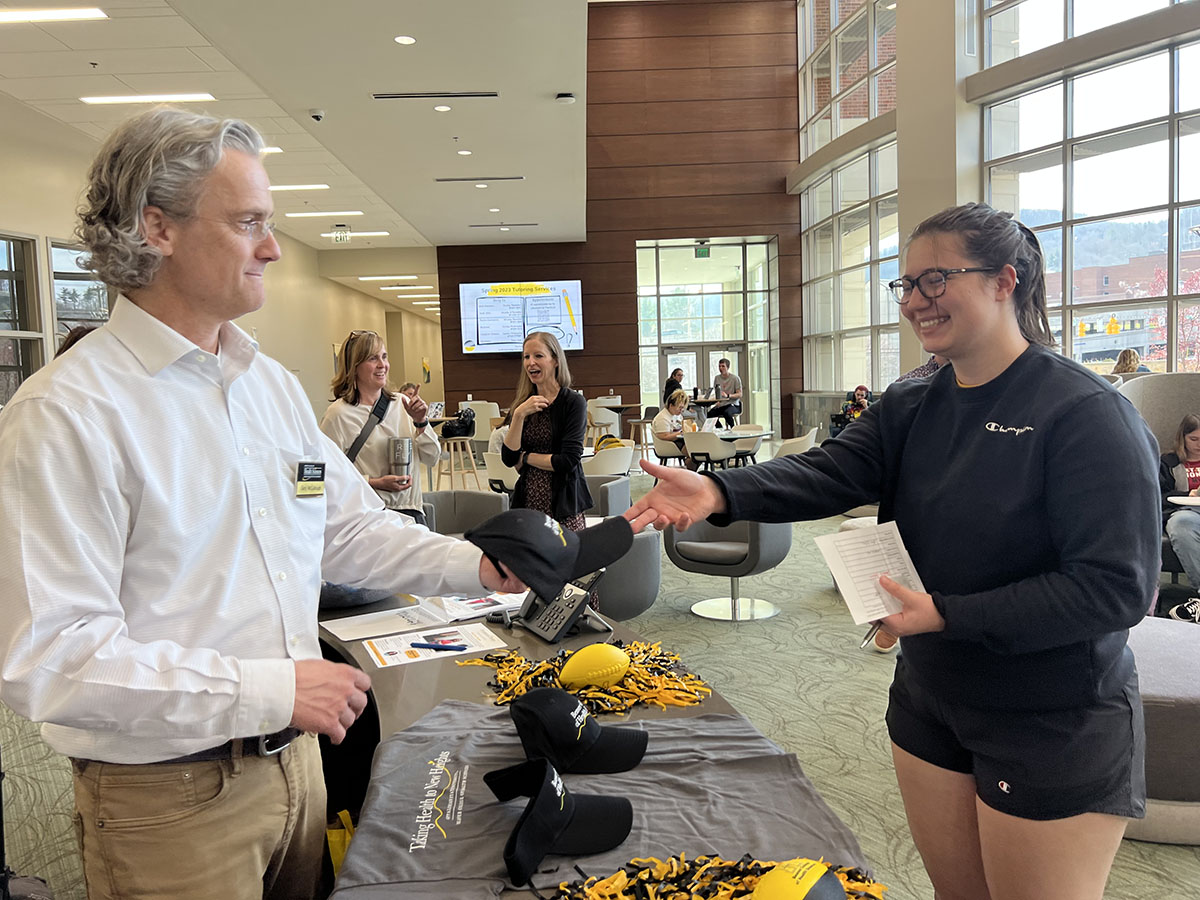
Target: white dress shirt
pixel 343 422
pixel 158 572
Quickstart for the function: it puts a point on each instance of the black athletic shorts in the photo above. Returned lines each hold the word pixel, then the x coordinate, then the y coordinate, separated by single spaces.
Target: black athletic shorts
pixel 1035 765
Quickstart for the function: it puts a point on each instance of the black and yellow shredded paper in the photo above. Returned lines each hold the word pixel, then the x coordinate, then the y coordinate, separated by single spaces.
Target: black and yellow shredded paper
pixel 702 878
pixel 655 678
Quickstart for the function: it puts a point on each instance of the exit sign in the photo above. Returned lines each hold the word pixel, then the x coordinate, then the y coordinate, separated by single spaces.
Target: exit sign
pixel 341 234
pixel 702 252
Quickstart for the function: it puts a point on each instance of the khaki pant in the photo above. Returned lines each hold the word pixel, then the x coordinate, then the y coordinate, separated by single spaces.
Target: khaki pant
pixel 237 829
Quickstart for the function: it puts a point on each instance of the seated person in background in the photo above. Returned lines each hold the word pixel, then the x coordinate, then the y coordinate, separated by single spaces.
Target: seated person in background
pixel 72 338
pixel 668 424
pixel 410 390
pixel 1179 476
pixel 674 383
pixel 727 388
pixel 854 408
pixel 1128 361
pixel 496 441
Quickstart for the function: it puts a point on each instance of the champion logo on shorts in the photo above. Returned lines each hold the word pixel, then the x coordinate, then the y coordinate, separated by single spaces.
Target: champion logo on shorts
pixel 1004 786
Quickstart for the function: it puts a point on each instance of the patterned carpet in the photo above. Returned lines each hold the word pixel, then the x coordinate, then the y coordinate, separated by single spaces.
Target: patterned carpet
pixel 802 680
pixel 799 677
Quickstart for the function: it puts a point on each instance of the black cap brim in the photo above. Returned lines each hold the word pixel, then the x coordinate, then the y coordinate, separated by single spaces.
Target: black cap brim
pixel 602 545
pixel 599 824
pixel 616 750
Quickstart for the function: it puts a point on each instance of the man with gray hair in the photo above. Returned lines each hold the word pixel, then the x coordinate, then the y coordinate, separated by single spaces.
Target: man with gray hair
pixel 171 506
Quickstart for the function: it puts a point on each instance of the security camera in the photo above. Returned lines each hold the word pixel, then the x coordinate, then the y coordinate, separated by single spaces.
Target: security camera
pixel 317 114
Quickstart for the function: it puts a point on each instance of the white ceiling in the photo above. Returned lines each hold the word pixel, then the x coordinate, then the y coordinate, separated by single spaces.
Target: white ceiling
pixel 271 61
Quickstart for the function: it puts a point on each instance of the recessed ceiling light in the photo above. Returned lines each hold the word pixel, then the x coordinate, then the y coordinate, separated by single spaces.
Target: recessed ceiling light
pixel 427 303
pixel 504 228
pixel 313 215
pixel 405 39
pixel 151 98
pixel 442 108
pixel 299 187
pixel 10 16
pixel 481 185
pixel 891 6
pixel 355 234
pixel 266 150
pixel 464 152
pixel 494 209
pixel 387 277
pixel 407 287
pixel 419 296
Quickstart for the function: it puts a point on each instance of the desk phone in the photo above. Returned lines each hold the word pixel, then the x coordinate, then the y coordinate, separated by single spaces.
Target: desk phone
pixel 551 620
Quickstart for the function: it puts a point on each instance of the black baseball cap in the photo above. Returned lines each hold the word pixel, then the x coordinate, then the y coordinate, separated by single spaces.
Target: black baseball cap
pixel 545 555
pixel 555 820
pixel 554 724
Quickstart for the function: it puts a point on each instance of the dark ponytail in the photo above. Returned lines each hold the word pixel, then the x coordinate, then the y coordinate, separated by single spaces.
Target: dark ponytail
pixel 995 239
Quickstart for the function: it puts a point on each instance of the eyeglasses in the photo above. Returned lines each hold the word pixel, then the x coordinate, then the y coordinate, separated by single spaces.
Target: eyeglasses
pixel 255 229
pixel 355 334
pixel 931 284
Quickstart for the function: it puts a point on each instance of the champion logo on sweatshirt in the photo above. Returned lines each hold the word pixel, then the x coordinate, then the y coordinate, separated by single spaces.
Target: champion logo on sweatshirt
pixel 1007 429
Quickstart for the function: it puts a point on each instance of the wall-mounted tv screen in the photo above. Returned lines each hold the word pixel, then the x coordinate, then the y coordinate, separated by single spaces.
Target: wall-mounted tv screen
pixel 496 317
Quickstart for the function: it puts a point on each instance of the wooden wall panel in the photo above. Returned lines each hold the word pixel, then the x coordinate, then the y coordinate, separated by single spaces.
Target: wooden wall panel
pixel 691 132
pixel 690 84
pixel 680 117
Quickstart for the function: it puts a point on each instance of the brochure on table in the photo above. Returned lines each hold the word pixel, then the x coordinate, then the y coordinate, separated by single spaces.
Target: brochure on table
pixel 425 612
pixel 398 649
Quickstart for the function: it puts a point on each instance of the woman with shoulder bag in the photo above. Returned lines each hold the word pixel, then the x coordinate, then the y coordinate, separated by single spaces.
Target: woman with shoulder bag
pixel 361 384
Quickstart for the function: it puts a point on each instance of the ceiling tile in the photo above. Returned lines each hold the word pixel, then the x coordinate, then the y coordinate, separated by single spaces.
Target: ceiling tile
pixel 27 38
pixel 122 34
pixel 214 59
pixel 62 88
pixel 110 62
pixel 219 84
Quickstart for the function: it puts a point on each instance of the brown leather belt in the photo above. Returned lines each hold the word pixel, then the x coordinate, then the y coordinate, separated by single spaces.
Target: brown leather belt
pixel 258 745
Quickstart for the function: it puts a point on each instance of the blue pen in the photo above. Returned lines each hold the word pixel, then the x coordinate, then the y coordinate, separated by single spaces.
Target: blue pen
pixel 425 646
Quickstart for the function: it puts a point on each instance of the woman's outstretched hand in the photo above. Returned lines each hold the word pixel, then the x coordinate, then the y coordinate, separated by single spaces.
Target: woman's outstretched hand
pixel 680 498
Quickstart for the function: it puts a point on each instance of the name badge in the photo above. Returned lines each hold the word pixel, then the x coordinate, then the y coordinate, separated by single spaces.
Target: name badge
pixel 310 479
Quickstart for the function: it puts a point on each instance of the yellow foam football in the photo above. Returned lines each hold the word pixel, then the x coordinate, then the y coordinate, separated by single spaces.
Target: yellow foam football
pixel 602 665
pixel 799 879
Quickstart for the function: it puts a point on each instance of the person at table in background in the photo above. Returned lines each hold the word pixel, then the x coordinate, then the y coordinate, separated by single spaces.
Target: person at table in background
pixel 674 383
pixel 927 368
pixel 668 424
pixel 361 378
pixel 727 388
pixel 176 505
pixel 496 441
pixel 545 440
pixel 1179 476
pixel 73 337
pixel 1128 361
pixel 1014 712
pixel 852 409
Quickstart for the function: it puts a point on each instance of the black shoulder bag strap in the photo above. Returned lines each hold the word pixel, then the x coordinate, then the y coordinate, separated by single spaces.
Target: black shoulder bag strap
pixel 378 411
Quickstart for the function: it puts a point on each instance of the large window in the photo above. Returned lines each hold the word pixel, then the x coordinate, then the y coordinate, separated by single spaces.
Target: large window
pixel 851 242
pixel 80 298
pixel 21 348
pixel 847 52
pixel 1020 27
pixel 699 301
pixel 1100 165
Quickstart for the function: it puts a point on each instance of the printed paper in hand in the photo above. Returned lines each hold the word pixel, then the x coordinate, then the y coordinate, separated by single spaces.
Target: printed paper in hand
pixel 857 558
pixel 398 650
